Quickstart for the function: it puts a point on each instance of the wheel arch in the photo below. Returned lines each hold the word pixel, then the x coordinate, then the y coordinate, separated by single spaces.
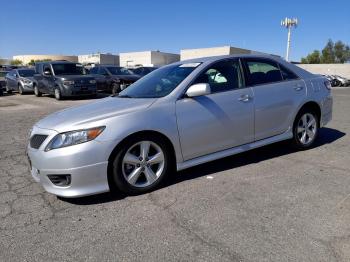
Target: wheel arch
pixel 111 157
pixel 312 105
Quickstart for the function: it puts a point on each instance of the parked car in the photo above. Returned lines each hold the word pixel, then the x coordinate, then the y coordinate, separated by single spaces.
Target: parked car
pixel 334 82
pixel 342 80
pixel 20 80
pixel 143 70
pixel 2 82
pixel 183 114
pixel 63 79
pixel 113 78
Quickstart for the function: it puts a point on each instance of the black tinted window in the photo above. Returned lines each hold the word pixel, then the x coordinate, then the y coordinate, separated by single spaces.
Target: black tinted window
pixel 222 76
pixel 93 70
pixel 26 72
pixel 68 69
pixel 287 74
pixel 261 72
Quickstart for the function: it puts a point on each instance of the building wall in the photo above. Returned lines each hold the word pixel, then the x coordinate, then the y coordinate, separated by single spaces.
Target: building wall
pixel 147 58
pixel 215 51
pixel 328 69
pixel 99 59
pixel 160 58
pixel 27 58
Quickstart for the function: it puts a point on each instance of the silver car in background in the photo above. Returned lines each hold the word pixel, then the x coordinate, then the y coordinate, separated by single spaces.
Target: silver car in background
pixel 178 116
pixel 20 80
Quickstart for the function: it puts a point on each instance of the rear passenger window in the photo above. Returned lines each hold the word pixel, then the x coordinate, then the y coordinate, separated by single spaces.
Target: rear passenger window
pixel 222 76
pixel 287 74
pixel 262 72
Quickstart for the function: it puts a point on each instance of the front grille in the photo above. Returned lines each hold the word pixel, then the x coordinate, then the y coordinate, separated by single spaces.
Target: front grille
pixel 37 140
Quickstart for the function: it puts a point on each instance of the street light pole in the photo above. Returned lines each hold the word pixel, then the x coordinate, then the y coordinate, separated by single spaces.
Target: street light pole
pixel 289 23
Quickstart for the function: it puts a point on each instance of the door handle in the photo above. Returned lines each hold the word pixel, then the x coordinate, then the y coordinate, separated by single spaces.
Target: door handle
pixel 245 98
pixel 298 88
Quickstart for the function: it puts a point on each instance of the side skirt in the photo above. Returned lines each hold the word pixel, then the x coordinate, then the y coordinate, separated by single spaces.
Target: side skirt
pixel 233 151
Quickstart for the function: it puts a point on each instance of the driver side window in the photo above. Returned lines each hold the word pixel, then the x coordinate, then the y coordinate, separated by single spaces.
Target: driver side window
pixel 222 76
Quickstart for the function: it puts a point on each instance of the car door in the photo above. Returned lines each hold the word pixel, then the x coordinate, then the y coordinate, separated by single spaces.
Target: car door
pixel 48 80
pixel 102 79
pixel 220 120
pixel 277 95
pixel 11 80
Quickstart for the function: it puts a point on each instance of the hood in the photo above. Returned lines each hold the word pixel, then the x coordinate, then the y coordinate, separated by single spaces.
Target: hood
pixel 75 77
pixel 73 118
pixel 31 78
pixel 131 78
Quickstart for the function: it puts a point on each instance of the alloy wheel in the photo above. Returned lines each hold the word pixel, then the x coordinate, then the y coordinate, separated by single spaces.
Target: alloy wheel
pixel 143 164
pixel 307 128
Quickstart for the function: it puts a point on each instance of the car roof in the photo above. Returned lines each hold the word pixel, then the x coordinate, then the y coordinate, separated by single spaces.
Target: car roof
pixel 216 58
pixel 57 62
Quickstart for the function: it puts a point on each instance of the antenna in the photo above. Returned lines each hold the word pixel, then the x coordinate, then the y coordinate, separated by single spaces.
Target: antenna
pixel 289 23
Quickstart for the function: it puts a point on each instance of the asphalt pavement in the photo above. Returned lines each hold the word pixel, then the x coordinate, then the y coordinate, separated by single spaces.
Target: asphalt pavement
pixel 270 204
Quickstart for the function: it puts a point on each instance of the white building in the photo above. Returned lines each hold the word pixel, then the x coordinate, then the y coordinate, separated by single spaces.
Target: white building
pixel 107 59
pixel 147 58
pixel 214 51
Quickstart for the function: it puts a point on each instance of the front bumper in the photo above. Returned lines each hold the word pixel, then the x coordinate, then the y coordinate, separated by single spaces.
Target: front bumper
pixel 78 90
pixel 86 163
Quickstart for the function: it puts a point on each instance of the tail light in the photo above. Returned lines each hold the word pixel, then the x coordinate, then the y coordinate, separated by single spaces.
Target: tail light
pixel 328 85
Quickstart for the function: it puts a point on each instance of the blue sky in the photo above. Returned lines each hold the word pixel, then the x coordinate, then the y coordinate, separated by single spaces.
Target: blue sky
pixel 81 27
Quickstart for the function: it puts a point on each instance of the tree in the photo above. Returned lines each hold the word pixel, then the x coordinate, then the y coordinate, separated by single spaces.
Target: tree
pixel 328 56
pixel 332 53
pixel 16 62
pixel 313 58
pixel 341 52
pixel 32 62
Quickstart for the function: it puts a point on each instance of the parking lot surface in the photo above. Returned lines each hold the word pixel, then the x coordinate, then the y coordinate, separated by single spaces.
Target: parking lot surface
pixel 270 204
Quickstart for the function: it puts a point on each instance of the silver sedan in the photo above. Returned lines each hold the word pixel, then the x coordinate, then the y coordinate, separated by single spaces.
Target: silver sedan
pixel 176 117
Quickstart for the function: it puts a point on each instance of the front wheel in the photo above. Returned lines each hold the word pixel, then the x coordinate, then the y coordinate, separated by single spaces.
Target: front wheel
pixel 37 93
pixel 20 90
pixel 116 89
pixel 8 90
pixel 305 129
pixel 141 165
pixel 58 94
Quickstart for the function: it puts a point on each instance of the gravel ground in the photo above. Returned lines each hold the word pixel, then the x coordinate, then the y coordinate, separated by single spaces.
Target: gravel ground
pixel 270 204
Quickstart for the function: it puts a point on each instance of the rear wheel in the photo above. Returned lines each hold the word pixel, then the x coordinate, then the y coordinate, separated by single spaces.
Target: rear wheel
pixel 141 165
pixel 37 92
pixel 305 129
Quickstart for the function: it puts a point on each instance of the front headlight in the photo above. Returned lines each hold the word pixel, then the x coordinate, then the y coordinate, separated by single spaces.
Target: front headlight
pixel 92 81
pixel 26 81
pixel 74 137
pixel 68 82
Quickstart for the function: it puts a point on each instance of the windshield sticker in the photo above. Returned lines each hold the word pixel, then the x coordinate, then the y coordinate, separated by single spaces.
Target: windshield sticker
pixel 190 65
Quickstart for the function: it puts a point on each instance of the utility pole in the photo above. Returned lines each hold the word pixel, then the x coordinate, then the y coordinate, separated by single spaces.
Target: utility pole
pixel 289 23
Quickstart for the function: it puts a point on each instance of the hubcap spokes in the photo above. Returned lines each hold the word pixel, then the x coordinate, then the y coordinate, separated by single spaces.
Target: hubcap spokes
pixel 307 128
pixel 143 164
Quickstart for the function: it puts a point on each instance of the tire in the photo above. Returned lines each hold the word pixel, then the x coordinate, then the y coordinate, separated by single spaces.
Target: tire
pixel 9 91
pixel 115 89
pixel 37 93
pixel 134 172
pixel 58 94
pixel 305 129
pixel 20 90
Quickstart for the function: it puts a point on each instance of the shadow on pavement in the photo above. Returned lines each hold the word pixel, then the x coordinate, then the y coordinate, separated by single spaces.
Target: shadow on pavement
pixel 326 136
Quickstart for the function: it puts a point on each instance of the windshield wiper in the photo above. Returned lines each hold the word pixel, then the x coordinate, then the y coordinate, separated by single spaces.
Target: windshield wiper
pixel 121 96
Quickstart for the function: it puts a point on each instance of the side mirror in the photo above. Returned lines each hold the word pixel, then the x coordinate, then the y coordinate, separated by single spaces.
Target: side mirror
pixel 198 90
pixel 47 73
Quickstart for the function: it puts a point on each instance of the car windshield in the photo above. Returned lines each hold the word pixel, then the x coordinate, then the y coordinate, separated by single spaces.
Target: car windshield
pixel 3 73
pixel 26 72
pixel 160 82
pixel 68 69
pixel 114 70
